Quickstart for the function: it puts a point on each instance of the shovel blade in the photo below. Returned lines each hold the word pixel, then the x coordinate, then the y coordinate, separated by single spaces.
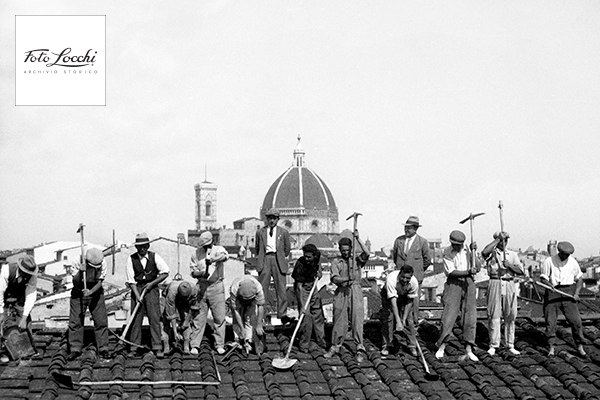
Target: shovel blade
pixel 63 380
pixel 284 363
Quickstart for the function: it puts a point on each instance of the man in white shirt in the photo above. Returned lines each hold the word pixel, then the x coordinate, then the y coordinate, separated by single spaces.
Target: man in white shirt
pixel 247 301
pixel 563 273
pixel 145 271
pixel 208 269
pixel 503 267
pixel 397 297
pixel 18 292
pixel 459 294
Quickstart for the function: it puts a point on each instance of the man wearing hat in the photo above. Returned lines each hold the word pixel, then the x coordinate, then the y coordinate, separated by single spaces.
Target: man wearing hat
pixel 348 297
pixel 562 272
pixel 181 299
pixel 18 292
pixel 92 297
pixel 273 248
pixel 459 294
pixel 503 267
pixel 145 271
pixel 208 269
pixel 412 249
pixel 247 302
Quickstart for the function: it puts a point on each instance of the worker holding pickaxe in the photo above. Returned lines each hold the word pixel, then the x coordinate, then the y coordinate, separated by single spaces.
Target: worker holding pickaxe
pixel 346 273
pixel 89 295
pixel 503 267
pixel 562 274
pixel 460 266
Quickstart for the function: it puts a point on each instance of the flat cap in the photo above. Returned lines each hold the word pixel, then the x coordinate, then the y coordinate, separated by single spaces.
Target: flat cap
pixel 94 258
pixel 565 248
pixel 206 238
pixel 497 234
pixel 247 289
pixel 457 237
pixel 184 289
pixel 272 212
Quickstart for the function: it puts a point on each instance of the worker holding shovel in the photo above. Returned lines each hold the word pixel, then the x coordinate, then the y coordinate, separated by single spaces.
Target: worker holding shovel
pixel 562 274
pixel 306 271
pixel 89 295
pixel 18 283
pixel 145 271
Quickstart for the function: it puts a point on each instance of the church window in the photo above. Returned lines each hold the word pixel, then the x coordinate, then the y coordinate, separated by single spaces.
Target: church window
pixel 287 223
pixel 208 209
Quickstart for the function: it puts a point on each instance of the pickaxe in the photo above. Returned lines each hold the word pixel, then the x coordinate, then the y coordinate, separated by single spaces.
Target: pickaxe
pixel 355 217
pixel 470 218
pixel 83 264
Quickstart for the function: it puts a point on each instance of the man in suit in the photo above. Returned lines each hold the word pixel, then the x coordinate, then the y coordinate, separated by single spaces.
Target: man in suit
pixel 412 249
pixel 273 248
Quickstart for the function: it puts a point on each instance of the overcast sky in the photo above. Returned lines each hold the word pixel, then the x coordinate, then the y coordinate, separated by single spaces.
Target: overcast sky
pixel 435 109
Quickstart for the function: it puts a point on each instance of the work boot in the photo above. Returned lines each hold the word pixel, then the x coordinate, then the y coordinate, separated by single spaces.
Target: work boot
pixel 413 352
pixel 385 351
pixel 220 350
pixel 194 351
pixel 439 354
pixel 513 351
pixel 186 347
pixel 4 359
pixel 105 354
pixel 581 351
pixel 551 351
pixel 332 352
pixel 75 354
pixel 492 351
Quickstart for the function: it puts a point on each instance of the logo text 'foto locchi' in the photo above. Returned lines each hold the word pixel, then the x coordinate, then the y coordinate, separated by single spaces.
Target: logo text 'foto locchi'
pixel 62 59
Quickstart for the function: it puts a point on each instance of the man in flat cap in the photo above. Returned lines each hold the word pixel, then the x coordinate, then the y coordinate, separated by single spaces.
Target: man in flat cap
pixel 504 268
pixel 145 271
pixel 459 294
pixel 397 299
pixel 412 249
pixel 181 300
pixel 92 298
pixel 247 302
pixel 563 273
pixel 18 292
pixel 273 248
pixel 208 270
pixel 348 297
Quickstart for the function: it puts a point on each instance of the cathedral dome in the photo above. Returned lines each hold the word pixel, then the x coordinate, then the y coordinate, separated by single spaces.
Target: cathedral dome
pixel 299 188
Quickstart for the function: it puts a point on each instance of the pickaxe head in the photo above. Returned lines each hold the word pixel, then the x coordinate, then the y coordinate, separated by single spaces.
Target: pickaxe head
pixel 80 228
pixel 354 215
pixel 470 217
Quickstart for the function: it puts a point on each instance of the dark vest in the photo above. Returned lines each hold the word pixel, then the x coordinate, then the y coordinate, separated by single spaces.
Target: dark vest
pixel 144 275
pixel 91 276
pixel 15 291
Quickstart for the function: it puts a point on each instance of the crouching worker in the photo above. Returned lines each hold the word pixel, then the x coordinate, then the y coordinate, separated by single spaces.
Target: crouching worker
pixel 93 272
pixel 247 307
pixel 181 300
pixel 18 292
pixel 397 297
pixel 306 272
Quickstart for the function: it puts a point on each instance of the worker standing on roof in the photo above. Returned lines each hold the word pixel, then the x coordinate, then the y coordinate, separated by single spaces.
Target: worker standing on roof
pixel 247 301
pixel 181 301
pixel 208 269
pixel 459 294
pixel 306 271
pixel 563 273
pixel 348 298
pixel 18 292
pixel 145 271
pixel 92 298
pixel 503 268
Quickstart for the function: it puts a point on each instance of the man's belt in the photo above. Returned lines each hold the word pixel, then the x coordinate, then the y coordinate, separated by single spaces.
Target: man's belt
pixel 271 253
pixel 497 278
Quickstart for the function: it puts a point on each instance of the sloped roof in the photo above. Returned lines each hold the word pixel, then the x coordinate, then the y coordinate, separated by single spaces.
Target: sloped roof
pixel 532 375
pixel 319 240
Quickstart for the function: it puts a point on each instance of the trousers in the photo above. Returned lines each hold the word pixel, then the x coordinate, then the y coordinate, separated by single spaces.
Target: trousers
pixel 459 297
pixel 270 268
pixel 553 303
pixel 150 306
pixel 78 306
pixel 210 296
pixel 348 305
pixel 314 319
pixel 388 321
pixel 502 303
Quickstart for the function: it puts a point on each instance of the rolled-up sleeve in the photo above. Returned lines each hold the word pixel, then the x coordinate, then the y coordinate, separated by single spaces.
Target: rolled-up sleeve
pixel 390 285
pixel 449 266
pixel 546 269
pixel 577 274
pixel 129 274
pixel 162 266
pixel 170 308
pixel 30 295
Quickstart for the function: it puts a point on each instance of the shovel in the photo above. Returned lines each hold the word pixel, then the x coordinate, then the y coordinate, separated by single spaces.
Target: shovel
pixel 131 317
pixel 287 362
pixel 429 375
pixel 66 381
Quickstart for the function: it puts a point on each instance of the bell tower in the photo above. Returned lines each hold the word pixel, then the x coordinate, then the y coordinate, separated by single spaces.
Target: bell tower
pixel 206 204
